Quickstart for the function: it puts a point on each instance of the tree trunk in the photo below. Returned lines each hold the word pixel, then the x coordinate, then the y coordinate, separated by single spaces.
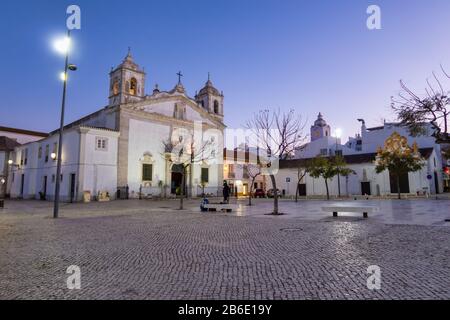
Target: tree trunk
pixel 275 195
pixel 328 192
pixel 297 191
pixel 251 192
pixel 182 188
pixel 398 186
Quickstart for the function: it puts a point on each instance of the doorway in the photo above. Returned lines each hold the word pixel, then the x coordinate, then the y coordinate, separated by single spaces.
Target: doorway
pixel 44 189
pixel 302 189
pixel 176 179
pixel 404 183
pixel 365 188
pixel 436 183
pixel 72 187
pixel 22 183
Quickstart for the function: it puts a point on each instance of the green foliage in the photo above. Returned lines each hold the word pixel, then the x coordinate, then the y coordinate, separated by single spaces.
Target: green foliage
pixel 327 168
pixel 397 163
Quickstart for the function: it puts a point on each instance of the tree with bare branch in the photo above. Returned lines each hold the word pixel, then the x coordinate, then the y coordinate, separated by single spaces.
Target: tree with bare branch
pixel 417 111
pixel 253 171
pixel 184 154
pixel 279 134
pixel 302 171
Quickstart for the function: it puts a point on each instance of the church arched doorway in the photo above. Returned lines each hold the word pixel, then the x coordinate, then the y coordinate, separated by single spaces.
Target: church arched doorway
pixel 176 179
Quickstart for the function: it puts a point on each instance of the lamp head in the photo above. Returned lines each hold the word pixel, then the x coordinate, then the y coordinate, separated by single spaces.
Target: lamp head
pixel 62 45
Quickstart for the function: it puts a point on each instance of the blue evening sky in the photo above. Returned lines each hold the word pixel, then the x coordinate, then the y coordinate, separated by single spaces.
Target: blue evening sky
pixel 309 55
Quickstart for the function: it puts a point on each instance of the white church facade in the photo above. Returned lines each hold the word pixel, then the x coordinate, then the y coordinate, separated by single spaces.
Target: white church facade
pixel 359 154
pixel 120 149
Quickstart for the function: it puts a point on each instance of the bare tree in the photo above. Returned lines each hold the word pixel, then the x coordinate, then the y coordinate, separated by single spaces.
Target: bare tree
pixel 279 134
pixel 416 111
pixel 302 171
pixel 253 171
pixel 184 154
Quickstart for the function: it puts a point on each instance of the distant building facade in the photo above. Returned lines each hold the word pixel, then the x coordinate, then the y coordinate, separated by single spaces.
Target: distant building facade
pixel 240 164
pixel 10 138
pixel 359 153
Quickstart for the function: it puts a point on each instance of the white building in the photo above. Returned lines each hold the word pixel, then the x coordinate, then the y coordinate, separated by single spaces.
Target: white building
pixel 240 166
pixel 359 153
pixel 9 139
pixel 121 146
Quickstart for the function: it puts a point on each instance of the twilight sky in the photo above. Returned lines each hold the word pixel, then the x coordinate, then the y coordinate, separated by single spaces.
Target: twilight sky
pixel 308 55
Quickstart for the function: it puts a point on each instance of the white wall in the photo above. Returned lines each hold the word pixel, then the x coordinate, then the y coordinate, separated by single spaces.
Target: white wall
pixel 36 169
pixel 373 139
pixel 146 137
pixel 352 185
pixel 98 167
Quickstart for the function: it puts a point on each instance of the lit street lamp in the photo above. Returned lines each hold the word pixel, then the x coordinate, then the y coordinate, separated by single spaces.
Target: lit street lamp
pixel 63 47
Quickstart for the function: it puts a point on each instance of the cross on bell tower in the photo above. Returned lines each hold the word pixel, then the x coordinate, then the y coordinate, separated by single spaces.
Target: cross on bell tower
pixel 179 74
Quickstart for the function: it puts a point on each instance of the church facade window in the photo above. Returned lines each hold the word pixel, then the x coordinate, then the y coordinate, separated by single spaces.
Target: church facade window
pixel 205 175
pixel 216 106
pixel 147 167
pixel 115 87
pixel 133 87
pixel 147 172
pixel 101 144
pixel 175 111
pixel 47 152
pixel 179 112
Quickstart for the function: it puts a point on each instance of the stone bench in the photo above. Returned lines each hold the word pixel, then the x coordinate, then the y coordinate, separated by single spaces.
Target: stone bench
pixel 351 208
pixel 220 207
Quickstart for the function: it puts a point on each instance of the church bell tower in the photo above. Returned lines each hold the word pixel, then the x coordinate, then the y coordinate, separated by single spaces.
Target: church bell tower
pixel 127 82
pixel 320 128
pixel 210 99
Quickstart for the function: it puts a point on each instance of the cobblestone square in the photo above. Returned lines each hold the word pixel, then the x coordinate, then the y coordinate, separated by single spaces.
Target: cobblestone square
pixel 149 250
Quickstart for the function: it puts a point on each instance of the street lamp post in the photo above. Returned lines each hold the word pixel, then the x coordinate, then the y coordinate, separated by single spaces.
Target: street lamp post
pixel 338 135
pixel 67 67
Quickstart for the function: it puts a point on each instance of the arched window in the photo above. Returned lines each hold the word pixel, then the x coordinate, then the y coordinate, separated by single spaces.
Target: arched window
pixel 115 87
pixel 147 168
pixel 216 106
pixel 133 86
pixel 175 111
pixel 179 112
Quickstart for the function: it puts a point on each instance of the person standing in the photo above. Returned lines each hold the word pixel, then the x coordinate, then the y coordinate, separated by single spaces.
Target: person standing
pixel 226 192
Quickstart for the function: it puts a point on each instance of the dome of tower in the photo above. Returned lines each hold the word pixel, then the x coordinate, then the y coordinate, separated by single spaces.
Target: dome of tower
pixel 320 122
pixel 209 89
pixel 128 62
